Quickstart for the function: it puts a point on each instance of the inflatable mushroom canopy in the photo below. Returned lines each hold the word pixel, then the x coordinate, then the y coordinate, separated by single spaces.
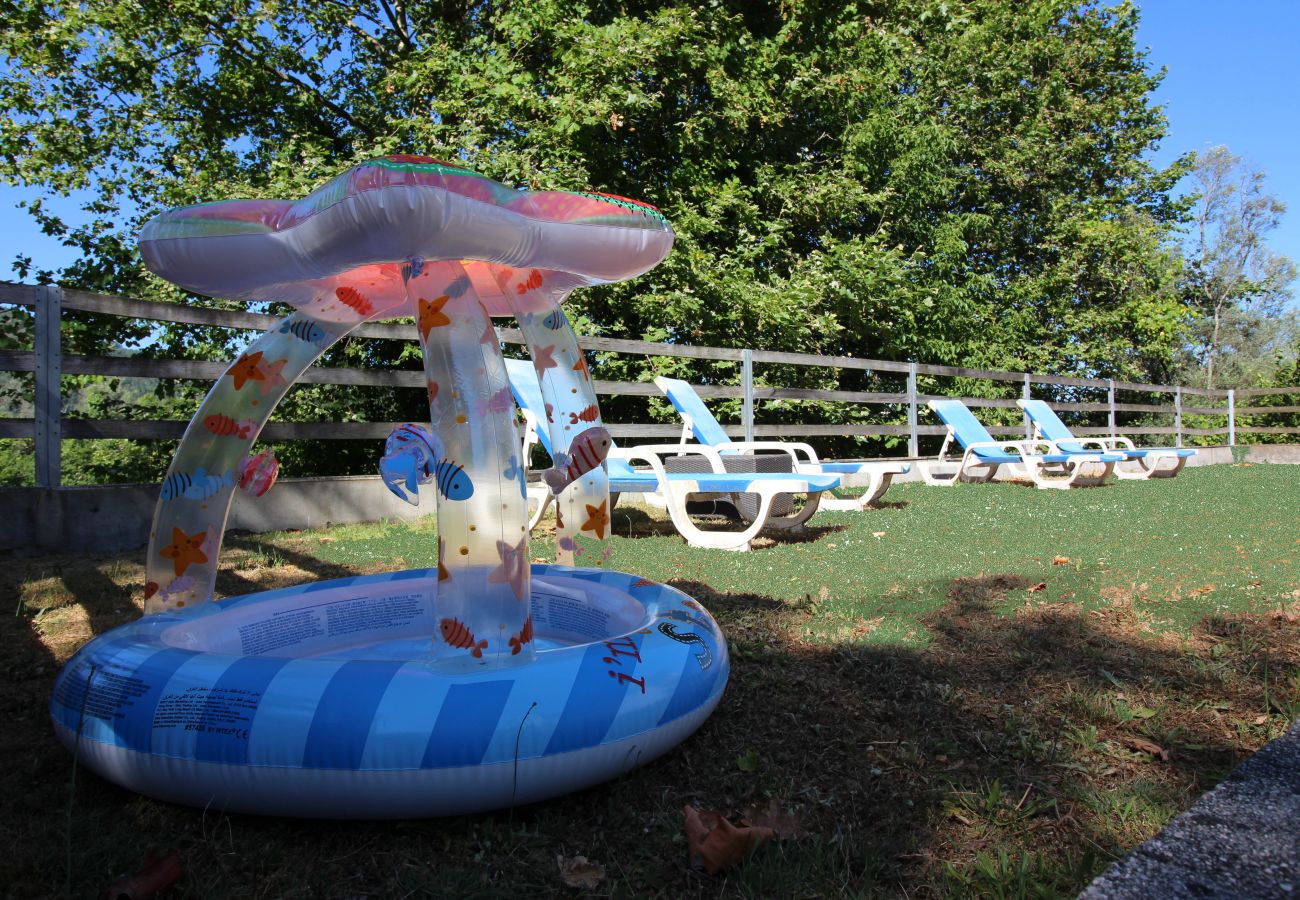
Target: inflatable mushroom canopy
pixel 394 237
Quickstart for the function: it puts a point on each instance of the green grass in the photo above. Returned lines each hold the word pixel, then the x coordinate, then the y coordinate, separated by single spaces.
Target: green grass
pixel 958 693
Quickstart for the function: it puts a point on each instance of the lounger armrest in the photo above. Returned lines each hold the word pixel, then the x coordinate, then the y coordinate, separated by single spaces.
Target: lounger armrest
pixel 794 448
pixel 1117 442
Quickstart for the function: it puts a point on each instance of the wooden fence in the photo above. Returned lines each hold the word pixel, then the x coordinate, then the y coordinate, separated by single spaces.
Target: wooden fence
pixel 49 363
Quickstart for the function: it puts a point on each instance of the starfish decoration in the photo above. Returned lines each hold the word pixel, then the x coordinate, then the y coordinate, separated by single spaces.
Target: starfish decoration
pixel 597 519
pixel 248 366
pixel 271 376
pixel 489 335
pixel 514 567
pixel 544 358
pixel 432 316
pixel 184 550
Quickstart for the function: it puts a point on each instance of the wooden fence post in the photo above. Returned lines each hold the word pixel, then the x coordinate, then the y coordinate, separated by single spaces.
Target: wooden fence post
pixel 1178 417
pixel 912 447
pixel 1027 394
pixel 747 382
pixel 1110 404
pixel 1232 417
pixel 48 372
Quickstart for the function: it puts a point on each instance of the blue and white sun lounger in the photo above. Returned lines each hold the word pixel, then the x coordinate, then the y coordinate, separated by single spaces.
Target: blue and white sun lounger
pixel 672 488
pixel 697 420
pixel 1152 462
pixel 1045 463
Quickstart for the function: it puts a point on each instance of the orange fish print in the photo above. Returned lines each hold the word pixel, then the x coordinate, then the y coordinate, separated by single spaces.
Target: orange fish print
pixel 353 300
pixel 247 368
pixel 222 425
pixel 443 573
pixel 544 358
pixel 150 589
pixel 525 635
pixel 581 366
pixel 432 388
pixel 533 282
pixel 184 550
pixel 597 519
pixel 513 569
pixel 590 414
pixel 457 635
pixel 432 316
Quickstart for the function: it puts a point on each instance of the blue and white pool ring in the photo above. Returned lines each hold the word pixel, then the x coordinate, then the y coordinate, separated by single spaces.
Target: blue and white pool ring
pixel 320 701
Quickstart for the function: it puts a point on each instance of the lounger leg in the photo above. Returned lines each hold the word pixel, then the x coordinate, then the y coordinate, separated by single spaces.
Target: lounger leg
pixel 795 522
pixel 543 504
pixel 716 540
pixel 875 490
pixel 1153 469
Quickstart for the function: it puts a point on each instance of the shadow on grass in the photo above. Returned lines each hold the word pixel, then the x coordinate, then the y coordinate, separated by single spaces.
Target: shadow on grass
pixel 908 769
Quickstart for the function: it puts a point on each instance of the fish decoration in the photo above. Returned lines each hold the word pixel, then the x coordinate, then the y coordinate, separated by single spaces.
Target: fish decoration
pixel 196 486
pixel 513 470
pixel 555 320
pixel 453 481
pixel 532 283
pixel 581 367
pixel 587 451
pixel 409 460
pixel 150 588
pixel 544 358
pixel 413 268
pixel 258 473
pixel 458 286
pixel 590 414
pixel 499 402
pixel 457 635
pixel 443 573
pixel 568 543
pixel 432 387
pixel 185 550
pixel 306 331
pixel 431 315
pixel 355 301
pixel 178 587
pixel 550 413
pixel 513 569
pixel 525 636
pixel 222 425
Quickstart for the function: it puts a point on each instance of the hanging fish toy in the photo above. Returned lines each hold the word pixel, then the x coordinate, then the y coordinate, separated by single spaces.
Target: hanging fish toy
pixel 306 330
pixel 258 473
pixel 197 486
pixel 587 451
pixel 408 461
pixel 453 481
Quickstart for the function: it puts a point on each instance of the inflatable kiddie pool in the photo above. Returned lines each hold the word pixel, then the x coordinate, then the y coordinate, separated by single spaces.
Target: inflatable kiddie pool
pixel 480 684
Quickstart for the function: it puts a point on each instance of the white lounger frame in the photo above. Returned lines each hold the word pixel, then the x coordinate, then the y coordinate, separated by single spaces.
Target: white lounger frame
pixel 1078 472
pixel 1149 465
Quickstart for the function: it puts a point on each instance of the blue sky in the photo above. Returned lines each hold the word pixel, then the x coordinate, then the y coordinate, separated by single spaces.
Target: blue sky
pixel 1233 78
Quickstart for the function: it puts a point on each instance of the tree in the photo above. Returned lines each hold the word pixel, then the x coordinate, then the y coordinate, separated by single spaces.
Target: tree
pixel 1238 287
pixel 956 183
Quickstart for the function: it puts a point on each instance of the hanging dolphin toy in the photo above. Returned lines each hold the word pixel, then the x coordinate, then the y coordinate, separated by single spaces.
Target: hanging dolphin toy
pixel 410 459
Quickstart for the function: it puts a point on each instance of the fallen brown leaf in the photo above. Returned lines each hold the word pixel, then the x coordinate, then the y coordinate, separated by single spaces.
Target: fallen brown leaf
pixel 878 534
pixel 1203 589
pixel 1035 588
pixel 715 844
pixel 580 872
pixel 1060 560
pixel 1142 745
pixel 1260 720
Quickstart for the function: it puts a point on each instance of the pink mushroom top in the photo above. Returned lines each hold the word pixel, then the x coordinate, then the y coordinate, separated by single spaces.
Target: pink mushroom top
pixel 345 250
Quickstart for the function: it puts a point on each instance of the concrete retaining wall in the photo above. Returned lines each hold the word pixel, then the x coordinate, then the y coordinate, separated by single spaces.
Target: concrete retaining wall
pixel 113 518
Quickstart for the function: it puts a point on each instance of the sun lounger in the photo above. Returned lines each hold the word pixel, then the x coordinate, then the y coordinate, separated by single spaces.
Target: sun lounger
pixel 1151 462
pixel 672 488
pixel 1041 460
pixel 875 477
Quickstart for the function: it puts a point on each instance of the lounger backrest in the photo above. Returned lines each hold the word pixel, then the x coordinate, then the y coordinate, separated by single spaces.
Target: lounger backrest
pixel 528 394
pixel 965 427
pixel 707 430
pixel 1050 425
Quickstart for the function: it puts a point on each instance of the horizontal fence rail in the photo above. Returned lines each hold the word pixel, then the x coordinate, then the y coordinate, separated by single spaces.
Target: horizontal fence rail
pixel 47 363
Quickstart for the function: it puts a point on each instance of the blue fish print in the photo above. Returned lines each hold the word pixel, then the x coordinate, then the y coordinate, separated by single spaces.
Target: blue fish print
pixel 305 331
pixel 555 320
pixel 457 287
pixel 198 486
pixel 453 481
pixel 413 268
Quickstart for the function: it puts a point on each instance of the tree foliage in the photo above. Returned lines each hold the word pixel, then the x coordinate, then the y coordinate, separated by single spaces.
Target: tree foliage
pixel 946 182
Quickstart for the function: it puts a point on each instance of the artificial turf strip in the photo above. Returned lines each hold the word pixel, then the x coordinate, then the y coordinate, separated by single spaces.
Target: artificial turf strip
pixel 923 722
